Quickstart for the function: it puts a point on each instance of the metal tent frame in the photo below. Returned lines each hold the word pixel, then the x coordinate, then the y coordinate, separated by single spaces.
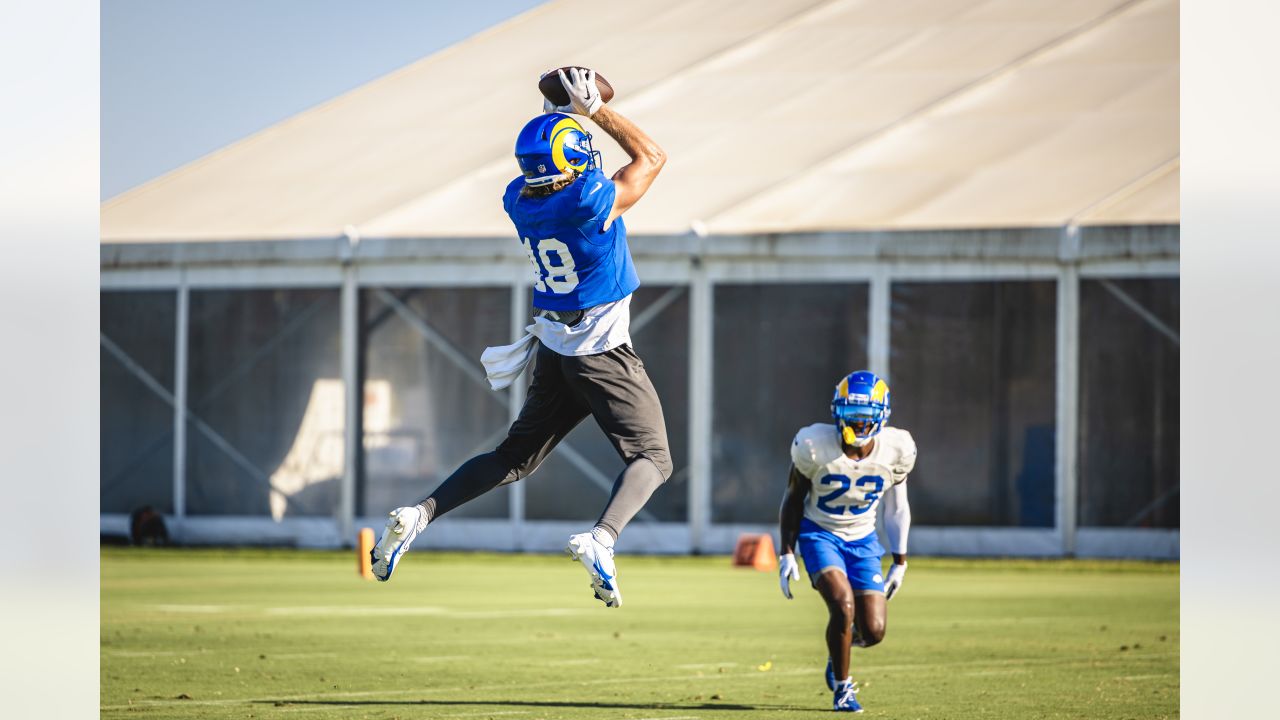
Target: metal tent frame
pixel 1066 255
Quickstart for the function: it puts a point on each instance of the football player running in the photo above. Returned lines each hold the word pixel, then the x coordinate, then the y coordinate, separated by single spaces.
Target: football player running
pixel 569 218
pixel 839 475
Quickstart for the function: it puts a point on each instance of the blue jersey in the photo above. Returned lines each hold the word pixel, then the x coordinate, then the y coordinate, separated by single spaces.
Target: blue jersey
pixel 577 263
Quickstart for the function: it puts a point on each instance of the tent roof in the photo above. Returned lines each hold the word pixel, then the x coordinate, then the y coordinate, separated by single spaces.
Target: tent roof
pixel 803 115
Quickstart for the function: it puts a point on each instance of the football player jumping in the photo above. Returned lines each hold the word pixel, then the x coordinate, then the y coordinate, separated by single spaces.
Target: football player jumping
pixel 569 218
pixel 839 473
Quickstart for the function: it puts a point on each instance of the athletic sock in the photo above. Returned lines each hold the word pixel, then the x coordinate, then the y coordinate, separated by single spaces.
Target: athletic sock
pixel 603 536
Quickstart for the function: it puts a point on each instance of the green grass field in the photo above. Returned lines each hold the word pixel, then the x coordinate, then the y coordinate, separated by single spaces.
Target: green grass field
pixel 295 634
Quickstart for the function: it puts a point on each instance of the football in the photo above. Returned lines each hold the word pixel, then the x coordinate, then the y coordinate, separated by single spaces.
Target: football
pixel 551 88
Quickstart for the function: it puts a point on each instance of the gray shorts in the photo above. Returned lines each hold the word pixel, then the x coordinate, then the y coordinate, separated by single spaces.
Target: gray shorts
pixel 611 386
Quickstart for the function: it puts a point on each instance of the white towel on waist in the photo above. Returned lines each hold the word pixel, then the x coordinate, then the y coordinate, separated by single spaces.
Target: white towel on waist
pixel 503 364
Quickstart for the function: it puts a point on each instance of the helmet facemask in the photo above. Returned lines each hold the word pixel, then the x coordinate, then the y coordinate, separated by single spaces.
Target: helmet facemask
pixel 581 151
pixel 859 423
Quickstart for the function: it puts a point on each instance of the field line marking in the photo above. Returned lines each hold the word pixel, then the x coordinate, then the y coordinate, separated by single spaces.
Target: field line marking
pixel 202 609
pixel 329 708
pixel 477 688
pixel 438 658
pixel 455 613
pixel 154 653
pixel 488 714
pixel 1023 661
pixel 749 675
pixel 311 611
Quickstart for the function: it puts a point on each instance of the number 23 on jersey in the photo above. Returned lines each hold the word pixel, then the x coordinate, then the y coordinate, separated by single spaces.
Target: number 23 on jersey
pixel 558 275
pixel 870 486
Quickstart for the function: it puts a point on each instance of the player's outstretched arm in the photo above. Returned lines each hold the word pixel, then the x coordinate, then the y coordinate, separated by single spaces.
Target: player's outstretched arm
pixel 789 515
pixel 632 181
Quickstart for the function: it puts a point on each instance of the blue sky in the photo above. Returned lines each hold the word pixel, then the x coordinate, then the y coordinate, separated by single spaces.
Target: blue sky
pixel 182 78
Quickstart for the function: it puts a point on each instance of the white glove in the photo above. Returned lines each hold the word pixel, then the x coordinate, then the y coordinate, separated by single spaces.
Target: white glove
pixel 894 581
pixel 584 94
pixel 787 571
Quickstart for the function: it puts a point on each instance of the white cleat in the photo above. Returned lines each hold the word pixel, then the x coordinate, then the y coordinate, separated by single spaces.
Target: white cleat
pixel 598 560
pixel 403 525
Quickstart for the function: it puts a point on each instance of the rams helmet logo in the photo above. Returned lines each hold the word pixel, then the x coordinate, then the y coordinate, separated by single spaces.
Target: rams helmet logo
pixel 551 145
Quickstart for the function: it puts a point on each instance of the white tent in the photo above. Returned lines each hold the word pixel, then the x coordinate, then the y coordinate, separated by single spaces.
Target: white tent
pixel 777 117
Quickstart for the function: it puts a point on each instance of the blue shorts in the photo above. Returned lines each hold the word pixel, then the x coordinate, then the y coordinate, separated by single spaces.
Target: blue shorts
pixel 858 559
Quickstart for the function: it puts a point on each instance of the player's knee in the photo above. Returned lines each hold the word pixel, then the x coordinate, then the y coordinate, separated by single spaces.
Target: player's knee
pixel 872 632
pixel 514 466
pixel 662 461
pixel 524 469
pixel 841 608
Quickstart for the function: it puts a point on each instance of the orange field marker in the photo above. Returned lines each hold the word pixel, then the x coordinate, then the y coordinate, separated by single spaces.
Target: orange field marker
pixel 755 551
pixel 363 546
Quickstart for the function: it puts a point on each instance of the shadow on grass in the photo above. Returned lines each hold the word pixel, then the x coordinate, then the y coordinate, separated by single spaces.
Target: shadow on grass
pixel 537 703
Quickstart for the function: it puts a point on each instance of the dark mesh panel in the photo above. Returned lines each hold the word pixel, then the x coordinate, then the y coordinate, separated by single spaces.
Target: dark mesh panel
pixel 266 391
pixel 136 424
pixel 972 379
pixel 1128 461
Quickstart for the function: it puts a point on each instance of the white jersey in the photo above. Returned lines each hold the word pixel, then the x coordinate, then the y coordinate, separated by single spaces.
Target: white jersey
pixel 846 491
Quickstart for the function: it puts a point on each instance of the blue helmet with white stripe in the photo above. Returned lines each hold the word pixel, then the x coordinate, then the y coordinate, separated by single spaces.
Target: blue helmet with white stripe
pixel 860 407
pixel 551 145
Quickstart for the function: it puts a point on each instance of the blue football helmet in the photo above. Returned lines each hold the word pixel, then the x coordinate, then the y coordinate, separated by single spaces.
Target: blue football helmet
pixel 860 407
pixel 551 145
